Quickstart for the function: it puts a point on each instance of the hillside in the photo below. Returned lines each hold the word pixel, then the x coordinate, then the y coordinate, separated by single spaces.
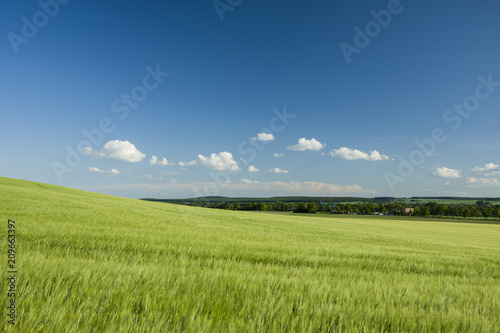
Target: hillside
pixel 90 262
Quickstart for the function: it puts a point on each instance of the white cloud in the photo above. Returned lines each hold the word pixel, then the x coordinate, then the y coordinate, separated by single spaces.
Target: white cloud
pixel 479 182
pixel 305 144
pixel 221 161
pixel 445 172
pixel 248 181
pixel 251 168
pixel 116 150
pixel 278 155
pixel 110 172
pixel 155 161
pixel 263 137
pixel 355 154
pixel 277 170
pixel 188 164
pixel 489 169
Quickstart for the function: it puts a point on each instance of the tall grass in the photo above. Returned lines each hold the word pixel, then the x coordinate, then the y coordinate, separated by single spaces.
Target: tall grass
pixel 96 263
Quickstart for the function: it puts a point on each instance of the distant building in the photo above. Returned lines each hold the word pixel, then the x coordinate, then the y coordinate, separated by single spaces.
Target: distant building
pixel 409 210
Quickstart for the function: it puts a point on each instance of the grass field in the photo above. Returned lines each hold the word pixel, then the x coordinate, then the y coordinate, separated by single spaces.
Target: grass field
pixel 447 201
pixel 94 263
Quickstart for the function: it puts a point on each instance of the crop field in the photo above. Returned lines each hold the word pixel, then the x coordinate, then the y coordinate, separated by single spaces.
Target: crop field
pixel 447 201
pixel 87 262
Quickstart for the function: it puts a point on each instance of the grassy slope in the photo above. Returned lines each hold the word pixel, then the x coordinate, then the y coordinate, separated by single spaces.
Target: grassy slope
pixel 90 262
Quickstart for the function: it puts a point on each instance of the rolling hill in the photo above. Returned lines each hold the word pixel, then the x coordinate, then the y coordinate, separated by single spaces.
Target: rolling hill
pixel 88 262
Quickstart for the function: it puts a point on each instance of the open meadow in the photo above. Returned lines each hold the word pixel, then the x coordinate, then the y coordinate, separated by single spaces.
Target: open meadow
pixel 88 262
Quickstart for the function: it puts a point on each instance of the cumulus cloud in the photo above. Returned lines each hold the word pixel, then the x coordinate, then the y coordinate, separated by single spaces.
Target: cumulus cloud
pixel 116 150
pixel 155 161
pixel 445 172
pixel 305 144
pixel 263 137
pixel 278 155
pixel 480 182
pixel 188 164
pixel 251 168
pixel 489 169
pixel 277 170
pixel 109 172
pixel 221 161
pixel 355 154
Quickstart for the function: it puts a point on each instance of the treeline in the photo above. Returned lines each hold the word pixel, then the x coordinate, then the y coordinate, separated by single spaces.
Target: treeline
pixel 287 199
pixel 480 209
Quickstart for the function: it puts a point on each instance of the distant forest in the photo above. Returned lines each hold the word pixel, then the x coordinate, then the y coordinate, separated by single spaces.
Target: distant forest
pixel 416 206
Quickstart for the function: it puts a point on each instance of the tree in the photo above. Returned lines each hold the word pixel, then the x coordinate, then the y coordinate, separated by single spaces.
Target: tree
pixel 452 211
pixel 422 211
pixel 312 208
pixel 338 208
pixel 464 211
pixel 487 211
pixel 474 212
pixel 301 208
pixel 326 208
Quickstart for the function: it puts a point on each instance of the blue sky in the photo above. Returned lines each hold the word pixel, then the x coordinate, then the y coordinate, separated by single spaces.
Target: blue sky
pixel 252 98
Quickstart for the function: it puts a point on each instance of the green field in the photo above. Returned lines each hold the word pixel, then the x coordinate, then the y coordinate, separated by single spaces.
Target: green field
pixel 94 263
pixel 446 201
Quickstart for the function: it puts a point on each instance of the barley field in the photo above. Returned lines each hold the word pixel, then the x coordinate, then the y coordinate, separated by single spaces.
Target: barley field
pixel 88 262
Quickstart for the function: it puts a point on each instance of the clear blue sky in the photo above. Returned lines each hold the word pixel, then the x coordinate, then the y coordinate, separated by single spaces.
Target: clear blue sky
pixel 354 103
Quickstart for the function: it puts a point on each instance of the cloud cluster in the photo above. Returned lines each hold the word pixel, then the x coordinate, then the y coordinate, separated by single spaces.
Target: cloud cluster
pixel 480 182
pixel 221 161
pixel 277 170
pixel 264 137
pixel 355 154
pixel 110 172
pixel 445 172
pixel 489 169
pixel 248 181
pixel 278 155
pixel 155 161
pixel 305 144
pixel 116 150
